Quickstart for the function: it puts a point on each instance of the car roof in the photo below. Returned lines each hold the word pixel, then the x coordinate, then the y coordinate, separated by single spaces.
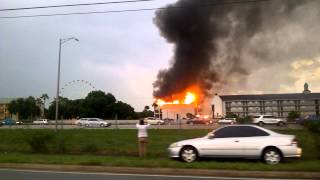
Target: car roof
pixel 255 126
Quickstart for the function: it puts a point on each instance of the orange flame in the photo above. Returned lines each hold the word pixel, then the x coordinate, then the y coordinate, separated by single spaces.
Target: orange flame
pixel 189 98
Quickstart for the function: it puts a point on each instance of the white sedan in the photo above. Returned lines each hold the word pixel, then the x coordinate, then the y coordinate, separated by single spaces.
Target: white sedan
pixel 227 121
pixel 245 141
pixel 96 122
pixel 154 121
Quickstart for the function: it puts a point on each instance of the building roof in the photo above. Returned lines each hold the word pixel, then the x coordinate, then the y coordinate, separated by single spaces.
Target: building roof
pixel 259 97
pixel 6 100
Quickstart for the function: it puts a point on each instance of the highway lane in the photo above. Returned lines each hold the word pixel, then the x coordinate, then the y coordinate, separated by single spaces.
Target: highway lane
pixel 132 126
pixel 14 174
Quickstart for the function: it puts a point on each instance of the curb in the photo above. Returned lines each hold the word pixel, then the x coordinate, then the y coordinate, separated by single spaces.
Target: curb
pixel 163 171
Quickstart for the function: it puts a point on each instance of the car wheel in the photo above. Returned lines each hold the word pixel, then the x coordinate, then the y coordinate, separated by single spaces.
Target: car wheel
pixel 188 154
pixel 87 125
pixel 281 123
pixel 271 156
pixel 159 123
pixel 102 125
pixel 260 123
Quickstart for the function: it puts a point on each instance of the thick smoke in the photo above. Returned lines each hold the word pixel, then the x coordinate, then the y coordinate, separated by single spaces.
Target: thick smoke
pixel 215 45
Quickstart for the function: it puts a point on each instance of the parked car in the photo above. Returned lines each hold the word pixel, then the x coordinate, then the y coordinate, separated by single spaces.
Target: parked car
pixel 153 121
pixel 9 121
pixel 96 122
pixel 238 141
pixel 199 121
pixel 308 118
pixel 227 121
pixel 268 119
pixel 168 121
pixel 41 121
pixel 81 121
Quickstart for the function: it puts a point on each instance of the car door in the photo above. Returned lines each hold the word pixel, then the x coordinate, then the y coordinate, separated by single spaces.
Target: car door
pixel 225 143
pixel 95 122
pixel 252 140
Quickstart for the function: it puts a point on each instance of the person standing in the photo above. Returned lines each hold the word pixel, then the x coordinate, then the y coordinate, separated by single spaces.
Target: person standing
pixel 142 137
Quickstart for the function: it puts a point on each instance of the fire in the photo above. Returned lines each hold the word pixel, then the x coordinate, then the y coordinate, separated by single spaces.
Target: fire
pixel 189 98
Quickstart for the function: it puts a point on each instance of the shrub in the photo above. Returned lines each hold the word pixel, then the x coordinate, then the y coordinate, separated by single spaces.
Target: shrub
pixel 90 148
pixel 314 127
pixel 39 141
pixel 244 120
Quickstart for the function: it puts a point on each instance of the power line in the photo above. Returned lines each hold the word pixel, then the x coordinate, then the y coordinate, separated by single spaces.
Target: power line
pixel 134 10
pixel 73 5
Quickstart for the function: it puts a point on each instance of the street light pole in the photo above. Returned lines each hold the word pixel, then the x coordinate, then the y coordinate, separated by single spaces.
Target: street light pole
pixel 61 41
pixel 58 86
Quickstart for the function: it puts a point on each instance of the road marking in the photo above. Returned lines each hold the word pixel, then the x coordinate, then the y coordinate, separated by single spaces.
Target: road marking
pixel 128 174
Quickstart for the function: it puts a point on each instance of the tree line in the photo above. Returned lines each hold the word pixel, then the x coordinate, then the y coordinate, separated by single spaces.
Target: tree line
pixel 96 104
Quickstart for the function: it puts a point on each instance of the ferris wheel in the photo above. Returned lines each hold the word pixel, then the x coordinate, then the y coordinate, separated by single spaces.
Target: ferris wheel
pixel 76 89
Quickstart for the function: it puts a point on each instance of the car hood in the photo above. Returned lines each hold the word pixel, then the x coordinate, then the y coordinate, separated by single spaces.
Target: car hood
pixel 191 141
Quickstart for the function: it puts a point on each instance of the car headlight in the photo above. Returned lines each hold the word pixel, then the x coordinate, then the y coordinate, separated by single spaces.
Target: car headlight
pixel 174 145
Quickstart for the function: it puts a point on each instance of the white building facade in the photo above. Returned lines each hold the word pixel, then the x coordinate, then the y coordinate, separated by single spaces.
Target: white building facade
pixel 279 105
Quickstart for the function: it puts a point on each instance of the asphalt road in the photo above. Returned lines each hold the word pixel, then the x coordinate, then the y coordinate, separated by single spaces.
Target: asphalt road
pixel 132 126
pixel 12 174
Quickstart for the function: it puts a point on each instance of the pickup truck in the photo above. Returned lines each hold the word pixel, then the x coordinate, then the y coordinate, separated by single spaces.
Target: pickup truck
pixel 41 121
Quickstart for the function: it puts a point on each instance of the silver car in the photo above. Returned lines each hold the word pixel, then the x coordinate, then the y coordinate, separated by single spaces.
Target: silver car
pixel 238 141
pixel 268 119
pixel 96 122
pixel 81 122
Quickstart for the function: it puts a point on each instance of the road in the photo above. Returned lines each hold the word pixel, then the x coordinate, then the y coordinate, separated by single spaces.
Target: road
pixel 132 126
pixel 12 174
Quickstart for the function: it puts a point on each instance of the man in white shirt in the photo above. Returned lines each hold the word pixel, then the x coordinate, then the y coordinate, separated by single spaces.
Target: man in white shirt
pixel 142 137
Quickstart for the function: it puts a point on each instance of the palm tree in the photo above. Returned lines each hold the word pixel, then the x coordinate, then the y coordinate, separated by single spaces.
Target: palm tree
pixel 44 97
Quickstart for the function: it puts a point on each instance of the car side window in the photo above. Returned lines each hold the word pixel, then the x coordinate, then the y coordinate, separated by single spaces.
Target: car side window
pixel 249 131
pixel 226 132
pixel 239 131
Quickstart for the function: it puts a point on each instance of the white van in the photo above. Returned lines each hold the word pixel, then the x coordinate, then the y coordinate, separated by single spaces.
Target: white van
pixel 41 121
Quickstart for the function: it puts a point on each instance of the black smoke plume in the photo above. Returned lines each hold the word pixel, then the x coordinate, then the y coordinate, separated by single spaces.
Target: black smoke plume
pixel 211 41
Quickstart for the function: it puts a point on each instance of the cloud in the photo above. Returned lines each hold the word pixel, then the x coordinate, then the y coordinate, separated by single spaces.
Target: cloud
pixel 306 70
pixel 128 82
pixel 302 64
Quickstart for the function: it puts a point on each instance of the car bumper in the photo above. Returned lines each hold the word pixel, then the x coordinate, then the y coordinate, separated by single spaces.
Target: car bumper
pixel 291 151
pixel 174 152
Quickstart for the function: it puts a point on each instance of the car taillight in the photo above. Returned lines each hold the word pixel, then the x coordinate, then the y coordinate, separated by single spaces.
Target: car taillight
pixel 294 141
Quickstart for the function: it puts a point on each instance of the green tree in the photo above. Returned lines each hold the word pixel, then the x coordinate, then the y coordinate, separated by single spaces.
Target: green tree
pixel 25 108
pixel 99 104
pixel 124 110
pixel 293 115
pixel 44 97
pixel 65 109
pixel 145 113
pixel 231 115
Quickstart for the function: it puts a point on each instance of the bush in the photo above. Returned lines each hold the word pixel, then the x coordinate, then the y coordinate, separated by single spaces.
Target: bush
pixel 293 115
pixel 314 128
pixel 244 120
pixel 39 141
pixel 90 148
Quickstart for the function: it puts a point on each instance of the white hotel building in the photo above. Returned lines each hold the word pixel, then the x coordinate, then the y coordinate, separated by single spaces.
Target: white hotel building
pixel 279 105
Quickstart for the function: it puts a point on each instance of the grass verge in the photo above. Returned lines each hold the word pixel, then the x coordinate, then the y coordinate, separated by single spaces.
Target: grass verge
pixel 119 148
pixel 151 162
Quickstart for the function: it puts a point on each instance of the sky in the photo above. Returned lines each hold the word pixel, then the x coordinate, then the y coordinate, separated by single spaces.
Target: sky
pixel 121 53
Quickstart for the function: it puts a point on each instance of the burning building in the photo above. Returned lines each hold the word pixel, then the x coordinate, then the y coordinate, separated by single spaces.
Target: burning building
pixel 218 44
pixel 183 105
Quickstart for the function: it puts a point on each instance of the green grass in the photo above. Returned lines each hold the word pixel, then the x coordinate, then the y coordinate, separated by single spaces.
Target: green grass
pixel 119 148
pixel 151 162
